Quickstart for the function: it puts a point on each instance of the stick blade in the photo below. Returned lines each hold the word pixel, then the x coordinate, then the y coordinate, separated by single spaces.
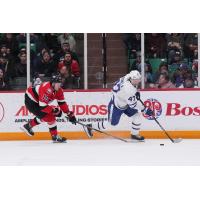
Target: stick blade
pixel 88 130
pixel 134 141
pixel 177 140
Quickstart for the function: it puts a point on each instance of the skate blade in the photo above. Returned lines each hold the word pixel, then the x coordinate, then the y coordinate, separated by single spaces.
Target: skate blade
pixel 177 140
pixel 135 141
pixel 88 132
pixel 25 131
pixel 56 142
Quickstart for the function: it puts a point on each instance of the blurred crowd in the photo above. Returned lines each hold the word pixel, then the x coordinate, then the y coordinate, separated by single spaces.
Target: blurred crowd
pixel 177 54
pixel 50 53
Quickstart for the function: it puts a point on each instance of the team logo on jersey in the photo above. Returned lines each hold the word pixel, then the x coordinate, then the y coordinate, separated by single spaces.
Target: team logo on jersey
pixel 1 112
pixel 155 106
pixel 45 98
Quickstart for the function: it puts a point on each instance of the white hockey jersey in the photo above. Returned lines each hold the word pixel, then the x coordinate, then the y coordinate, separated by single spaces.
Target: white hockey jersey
pixel 124 95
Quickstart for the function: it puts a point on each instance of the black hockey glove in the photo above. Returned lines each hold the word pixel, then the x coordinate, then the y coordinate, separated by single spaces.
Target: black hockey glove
pixel 148 112
pixel 57 112
pixel 71 117
pixel 137 95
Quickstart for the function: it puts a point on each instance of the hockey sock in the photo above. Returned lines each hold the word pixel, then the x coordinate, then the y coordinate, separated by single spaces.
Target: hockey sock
pixel 34 122
pixel 135 128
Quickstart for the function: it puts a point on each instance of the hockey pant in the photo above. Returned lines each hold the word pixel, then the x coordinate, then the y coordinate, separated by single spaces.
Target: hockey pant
pixel 40 116
pixel 114 115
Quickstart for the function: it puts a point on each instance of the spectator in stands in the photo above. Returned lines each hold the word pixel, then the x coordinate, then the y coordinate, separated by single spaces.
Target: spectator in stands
pixel 39 55
pixel 181 74
pixel 70 68
pixel 67 80
pixel 148 69
pixel 176 62
pixel 174 44
pixel 137 63
pixel 148 75
pixel 3 62
pixel 32 54
pixel 45 65
pixel 6 52
pixel 17 58
pixel 191 46
pixel 67 38
pixel 4 84
pixel 10 42
pixel 133 43
pixel 37 59
pixel 195 71
pixel 188 83
pixel 7 61
pixel 155 45
pixel 20 68
pixel 10 56
pixel 164 81
pixel 3 50
pixel 163 68
pixel 65 48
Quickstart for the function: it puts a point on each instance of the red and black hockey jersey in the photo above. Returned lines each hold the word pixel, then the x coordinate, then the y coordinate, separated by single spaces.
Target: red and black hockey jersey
pixel 44 94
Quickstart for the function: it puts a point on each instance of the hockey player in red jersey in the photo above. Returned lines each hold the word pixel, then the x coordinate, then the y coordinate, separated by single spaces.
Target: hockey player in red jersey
pixel 37 101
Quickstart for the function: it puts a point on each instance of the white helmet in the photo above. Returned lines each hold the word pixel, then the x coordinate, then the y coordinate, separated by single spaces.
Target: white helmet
pixel 134 74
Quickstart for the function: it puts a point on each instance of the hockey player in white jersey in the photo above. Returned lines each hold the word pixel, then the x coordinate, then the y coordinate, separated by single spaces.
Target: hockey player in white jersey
pixel 124 101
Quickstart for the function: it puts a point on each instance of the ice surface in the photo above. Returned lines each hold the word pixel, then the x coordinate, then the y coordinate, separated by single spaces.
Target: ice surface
pixel 100 152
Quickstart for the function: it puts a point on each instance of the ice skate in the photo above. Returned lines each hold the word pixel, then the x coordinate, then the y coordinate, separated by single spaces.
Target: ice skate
pixel 137 138
pixel 58 139
pixel 27 129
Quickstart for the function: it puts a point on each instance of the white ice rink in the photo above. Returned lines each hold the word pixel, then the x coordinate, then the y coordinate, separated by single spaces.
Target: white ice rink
pixel 99 152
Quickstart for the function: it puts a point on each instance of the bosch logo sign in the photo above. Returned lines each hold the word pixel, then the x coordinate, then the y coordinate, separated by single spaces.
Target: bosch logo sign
pixel 1 112
pixel 176 109
pixel 155 106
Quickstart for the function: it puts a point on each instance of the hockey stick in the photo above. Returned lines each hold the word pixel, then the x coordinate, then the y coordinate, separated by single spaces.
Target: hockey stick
pixel 97 130
pixel 167 134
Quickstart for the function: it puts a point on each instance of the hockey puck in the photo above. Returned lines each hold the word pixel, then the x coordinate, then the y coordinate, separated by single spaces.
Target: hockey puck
pixel 161 144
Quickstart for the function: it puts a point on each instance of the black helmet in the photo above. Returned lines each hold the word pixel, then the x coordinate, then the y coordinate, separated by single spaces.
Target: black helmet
pixel 56 78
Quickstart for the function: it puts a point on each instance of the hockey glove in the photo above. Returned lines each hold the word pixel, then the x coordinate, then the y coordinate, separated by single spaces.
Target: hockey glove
pixel 148 112
pixel 137 95
pixel 71 117
pixel 57 112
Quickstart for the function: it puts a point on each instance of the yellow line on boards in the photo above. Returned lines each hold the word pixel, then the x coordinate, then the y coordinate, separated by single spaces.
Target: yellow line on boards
pixel 82 135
